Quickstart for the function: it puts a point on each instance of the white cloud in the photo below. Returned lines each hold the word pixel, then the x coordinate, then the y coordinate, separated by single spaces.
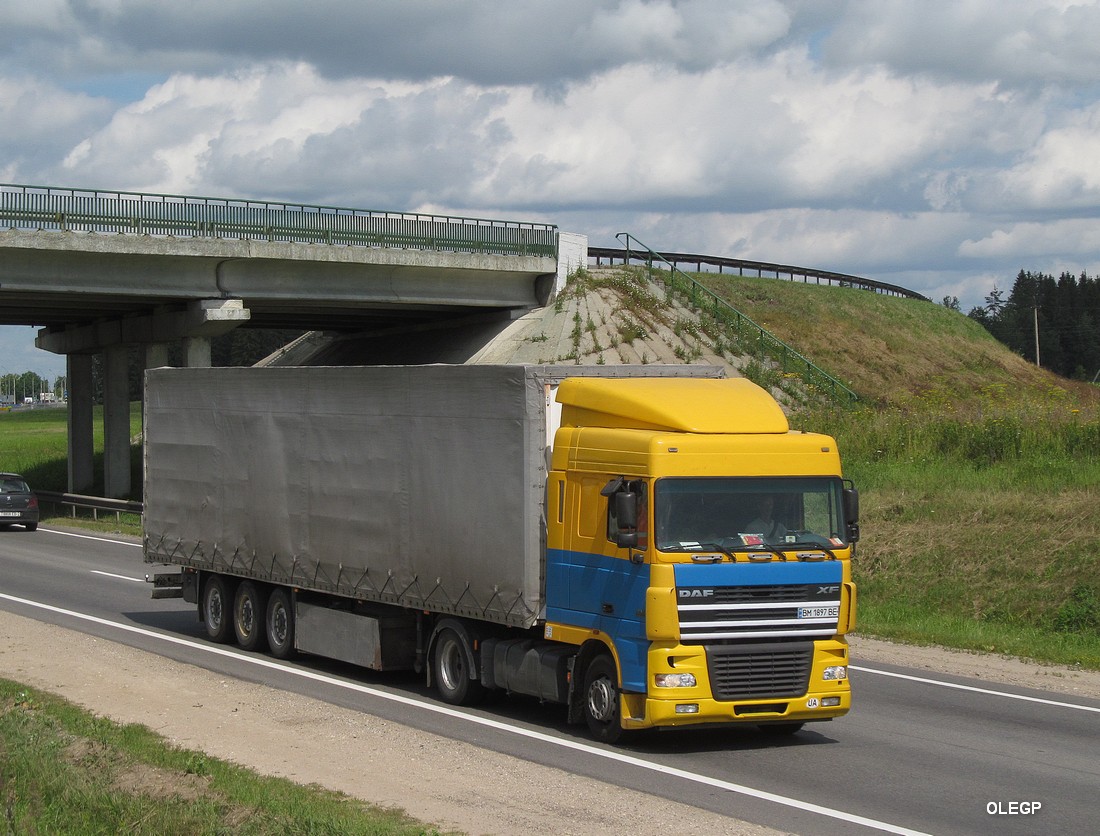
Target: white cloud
pixel 1066 237
pixel 37 121
pixel 187 131
pixel 1061 171
pixel 1014 42
pixel 518 41
pixel 943 142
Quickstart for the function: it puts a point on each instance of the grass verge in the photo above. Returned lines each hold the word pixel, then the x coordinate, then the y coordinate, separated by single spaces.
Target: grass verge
pixel 914 624
pixel 64 770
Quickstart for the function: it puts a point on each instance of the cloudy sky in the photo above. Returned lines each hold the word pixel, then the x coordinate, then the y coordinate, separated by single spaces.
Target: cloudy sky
pixel 941 145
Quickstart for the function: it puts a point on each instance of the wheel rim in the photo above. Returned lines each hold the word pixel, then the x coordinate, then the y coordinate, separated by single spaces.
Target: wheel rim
pixel 601 700
pixel 246 616
pixel 278 624
pixel 452 667
pixel 215 607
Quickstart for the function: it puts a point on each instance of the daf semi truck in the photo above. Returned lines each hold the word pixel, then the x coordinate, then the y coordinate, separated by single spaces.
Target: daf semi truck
pixel 649 546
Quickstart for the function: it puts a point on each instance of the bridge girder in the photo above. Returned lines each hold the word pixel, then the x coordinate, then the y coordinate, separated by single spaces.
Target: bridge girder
pixel 98 293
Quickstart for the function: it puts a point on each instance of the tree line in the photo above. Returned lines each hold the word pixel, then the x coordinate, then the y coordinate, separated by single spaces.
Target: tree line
pixel 15 388
pixel 1058 318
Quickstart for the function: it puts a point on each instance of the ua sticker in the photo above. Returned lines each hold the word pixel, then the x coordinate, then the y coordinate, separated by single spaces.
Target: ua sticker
pixel 811 702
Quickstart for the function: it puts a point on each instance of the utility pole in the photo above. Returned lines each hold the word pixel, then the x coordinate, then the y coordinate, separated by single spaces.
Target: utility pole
pixel 1036 311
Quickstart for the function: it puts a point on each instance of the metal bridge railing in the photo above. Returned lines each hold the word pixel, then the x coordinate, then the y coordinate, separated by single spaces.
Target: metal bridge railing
pixel 747 332
pixel 51 208
pixel 722 263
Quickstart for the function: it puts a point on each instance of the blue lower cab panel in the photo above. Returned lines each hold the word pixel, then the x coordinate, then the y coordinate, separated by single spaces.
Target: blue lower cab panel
pixel 597 592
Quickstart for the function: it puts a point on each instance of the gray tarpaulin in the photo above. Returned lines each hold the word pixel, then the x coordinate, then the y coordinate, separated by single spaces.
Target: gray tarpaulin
pixel 422 486
pixel 417 485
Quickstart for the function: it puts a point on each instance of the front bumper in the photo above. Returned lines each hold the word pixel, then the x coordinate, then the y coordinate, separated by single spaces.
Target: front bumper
pixel 822 699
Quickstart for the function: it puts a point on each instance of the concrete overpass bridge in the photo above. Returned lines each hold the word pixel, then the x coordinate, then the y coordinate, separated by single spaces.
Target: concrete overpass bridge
pixel 101 271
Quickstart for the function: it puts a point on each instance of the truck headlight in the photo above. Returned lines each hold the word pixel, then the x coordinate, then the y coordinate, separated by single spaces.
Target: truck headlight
pixel 835 672
pixel 674 680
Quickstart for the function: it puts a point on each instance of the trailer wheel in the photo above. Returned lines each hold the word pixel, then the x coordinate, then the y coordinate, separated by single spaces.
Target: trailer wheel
pixel 249 615
pixel 217 604
pixel 279 624
pixel 451 670
pixel 601 700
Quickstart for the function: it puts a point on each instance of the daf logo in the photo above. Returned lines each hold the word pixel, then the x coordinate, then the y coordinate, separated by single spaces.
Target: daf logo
pixel 828 590
pixel 696 593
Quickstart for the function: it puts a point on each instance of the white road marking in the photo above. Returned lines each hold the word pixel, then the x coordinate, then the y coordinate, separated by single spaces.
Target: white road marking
pixel 976 690
pixel 89 537
pixel 120 577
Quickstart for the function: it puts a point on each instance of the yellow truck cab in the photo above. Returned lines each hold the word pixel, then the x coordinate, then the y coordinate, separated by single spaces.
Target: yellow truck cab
pixel 698 552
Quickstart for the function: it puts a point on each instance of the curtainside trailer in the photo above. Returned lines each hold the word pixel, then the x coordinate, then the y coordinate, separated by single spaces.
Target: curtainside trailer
pixel 650 546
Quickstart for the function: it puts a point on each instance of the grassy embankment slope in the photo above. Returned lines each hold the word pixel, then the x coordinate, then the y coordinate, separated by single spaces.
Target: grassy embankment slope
pixel 979 473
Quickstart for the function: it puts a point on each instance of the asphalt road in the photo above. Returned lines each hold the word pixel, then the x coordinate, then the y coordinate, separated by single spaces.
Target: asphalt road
pixel 919 753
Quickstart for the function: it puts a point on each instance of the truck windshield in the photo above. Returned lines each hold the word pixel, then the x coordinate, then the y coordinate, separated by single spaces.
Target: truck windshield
pixel 747 513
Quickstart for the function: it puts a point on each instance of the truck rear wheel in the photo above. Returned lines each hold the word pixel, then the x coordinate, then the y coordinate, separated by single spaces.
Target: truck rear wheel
pixel 601 700
pixel 279 624
pixel 249 615
pixel 451 670
pixel 217 604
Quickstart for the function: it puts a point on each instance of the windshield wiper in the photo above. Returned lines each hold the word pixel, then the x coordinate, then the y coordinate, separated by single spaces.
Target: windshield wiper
pixel 815 547
pixel 815 544
pixel 718 547
pixel 764 547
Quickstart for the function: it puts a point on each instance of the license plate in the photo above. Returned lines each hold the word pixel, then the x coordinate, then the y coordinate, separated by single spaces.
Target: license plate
pixel 10 514
pixel 818 612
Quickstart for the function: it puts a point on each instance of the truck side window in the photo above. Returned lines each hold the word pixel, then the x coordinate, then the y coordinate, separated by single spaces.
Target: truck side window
pixel 587 509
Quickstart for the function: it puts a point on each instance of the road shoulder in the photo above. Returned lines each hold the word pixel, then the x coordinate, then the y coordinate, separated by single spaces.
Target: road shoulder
pixel 454 785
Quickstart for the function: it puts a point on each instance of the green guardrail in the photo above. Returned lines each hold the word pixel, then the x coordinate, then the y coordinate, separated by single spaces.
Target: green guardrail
pixel 65 209
pixel 747 332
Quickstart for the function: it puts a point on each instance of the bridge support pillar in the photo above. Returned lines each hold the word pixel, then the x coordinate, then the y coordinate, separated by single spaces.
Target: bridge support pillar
pixel 196 352
pixel 156 355
pixel 203 319
pixel 78 380
pixel 116 424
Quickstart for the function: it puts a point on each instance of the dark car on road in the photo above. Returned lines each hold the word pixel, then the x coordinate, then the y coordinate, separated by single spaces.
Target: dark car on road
pixel 18 504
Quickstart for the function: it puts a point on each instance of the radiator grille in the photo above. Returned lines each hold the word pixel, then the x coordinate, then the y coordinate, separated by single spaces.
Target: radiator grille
pixel 754 671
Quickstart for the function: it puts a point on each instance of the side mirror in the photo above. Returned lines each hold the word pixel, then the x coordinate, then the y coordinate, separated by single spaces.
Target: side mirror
pixel 851 513
pixel 626 519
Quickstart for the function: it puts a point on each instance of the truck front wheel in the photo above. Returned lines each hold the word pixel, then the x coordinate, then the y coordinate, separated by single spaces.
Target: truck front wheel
pixel 249 610
pixel 601 700
pixel 451 670
pixel 279 624
pixel 217 604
